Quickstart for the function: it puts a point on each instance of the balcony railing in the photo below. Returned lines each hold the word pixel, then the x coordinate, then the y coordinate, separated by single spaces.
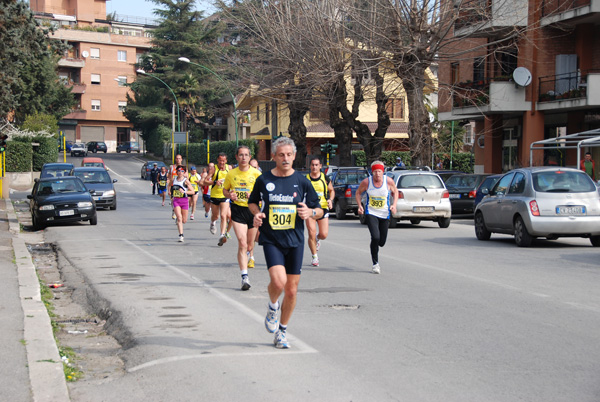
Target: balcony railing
pixel 470 94
pixel 552 7
pixel 78 88
pixel 564 86
pixel 76 114
pixel 71 62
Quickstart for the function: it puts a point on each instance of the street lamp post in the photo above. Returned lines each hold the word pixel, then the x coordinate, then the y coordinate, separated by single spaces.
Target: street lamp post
pixel 173 93
pixel 186 60
pixel 176 102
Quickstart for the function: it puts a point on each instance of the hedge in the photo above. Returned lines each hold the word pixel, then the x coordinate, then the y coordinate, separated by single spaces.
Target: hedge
pixel 46 152
pixel 196 152
pixel 18 156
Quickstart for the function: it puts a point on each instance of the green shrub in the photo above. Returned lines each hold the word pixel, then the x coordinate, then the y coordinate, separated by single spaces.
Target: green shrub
pixel 46 152
pixel 18 156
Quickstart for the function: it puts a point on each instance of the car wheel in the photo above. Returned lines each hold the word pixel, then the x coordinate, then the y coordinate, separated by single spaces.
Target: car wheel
pixel 393 222
pixel 94 220
pixel 481 231
pixel 129 151
pixel 595 241
pixel 522 236
pixel 113 206
pixel 339 212
pixel 362 218
pixel 36 223
pixel 444 222
pixel 415 221
pixel 118 151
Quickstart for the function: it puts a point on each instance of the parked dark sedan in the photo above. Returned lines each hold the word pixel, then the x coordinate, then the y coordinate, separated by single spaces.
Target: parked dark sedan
pixel 56 170
pixel 64 199
pixel 446 174
pixel 98 181
pixel 463 189
pixel 345 183
pixel 147 167
pixel 128 147
pixel 96 146
pixel 485 187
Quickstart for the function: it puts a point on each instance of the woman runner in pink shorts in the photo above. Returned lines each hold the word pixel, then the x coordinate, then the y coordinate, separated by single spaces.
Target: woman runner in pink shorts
pixel 181 188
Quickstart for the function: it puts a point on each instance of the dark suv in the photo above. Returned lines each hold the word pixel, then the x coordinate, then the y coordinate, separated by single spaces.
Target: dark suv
pixel 128 147
pixel 345 183
pixel 96 146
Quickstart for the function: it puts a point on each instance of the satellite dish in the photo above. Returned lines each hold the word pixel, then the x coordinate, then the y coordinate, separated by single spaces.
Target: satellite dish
pixel 85 54
pixel 522 76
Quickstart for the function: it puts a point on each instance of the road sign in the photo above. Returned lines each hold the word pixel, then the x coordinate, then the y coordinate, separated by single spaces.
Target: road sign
pixel 180 137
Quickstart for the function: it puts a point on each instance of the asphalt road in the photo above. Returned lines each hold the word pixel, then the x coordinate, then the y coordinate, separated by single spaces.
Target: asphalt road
pixel 450 318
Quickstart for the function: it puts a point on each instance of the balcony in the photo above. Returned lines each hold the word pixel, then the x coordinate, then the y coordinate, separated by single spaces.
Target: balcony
pixel 78 88
pixel 70 62
pixel 76 114
pixel 554 11
pixel 486 18
pixel 569 91
pixel 494 96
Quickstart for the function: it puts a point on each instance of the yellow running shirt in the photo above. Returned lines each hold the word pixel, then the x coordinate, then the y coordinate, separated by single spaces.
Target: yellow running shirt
pixel 242 183
pixel 216 191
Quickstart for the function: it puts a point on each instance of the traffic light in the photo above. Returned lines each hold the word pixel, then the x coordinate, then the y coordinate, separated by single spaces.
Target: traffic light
pixel 3 139
pixel 324 148
pixel 333 149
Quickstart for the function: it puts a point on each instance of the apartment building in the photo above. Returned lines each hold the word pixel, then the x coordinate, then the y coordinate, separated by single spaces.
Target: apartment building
pixel 100 61
pixel 553 46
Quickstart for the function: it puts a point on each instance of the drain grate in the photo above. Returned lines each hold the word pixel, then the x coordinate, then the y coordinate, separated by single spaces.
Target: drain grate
pixel 78 321
pixel 344 306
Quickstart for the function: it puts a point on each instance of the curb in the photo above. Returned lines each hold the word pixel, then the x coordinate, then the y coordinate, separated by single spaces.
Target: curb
pixel 46 374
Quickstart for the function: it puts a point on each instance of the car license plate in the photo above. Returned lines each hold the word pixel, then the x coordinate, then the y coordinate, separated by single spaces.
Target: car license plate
pixel 570 210
pixel 422 209
pixel 454 196
pixel 66 212
pixel 97 198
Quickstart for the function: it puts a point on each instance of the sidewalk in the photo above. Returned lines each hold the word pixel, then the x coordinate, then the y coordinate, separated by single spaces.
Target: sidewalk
pixel 31 368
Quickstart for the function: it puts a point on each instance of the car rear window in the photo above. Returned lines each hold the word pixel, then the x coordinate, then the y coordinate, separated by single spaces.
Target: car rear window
pixel 563 182
pixel 462 180
pixel 420 180
pixel 94 164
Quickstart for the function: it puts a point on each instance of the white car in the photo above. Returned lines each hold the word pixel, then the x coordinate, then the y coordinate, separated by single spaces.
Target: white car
pixel 422 195
pixel 78 149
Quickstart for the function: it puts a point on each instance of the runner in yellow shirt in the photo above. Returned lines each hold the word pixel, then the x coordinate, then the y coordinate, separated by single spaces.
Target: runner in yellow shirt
pixel 325 191
pixel 237 187
pixel 220 204
pixel 194 179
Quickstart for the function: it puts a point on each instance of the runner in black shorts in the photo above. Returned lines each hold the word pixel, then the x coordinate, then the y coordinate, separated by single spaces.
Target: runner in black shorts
pixel 237 187
pixel 287 199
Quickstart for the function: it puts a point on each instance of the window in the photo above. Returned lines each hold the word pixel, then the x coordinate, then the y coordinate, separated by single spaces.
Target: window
pixel 479 69
pixel 267 113
pixel 95 79
pixel 469 137
pixel 96 105
pixel 258 113
pixel 94 53
pixel 122 55
pixel 395 108
pixel 503 183
pixel 454 73
pixel 122 106
pixel 518 184
pixel 122 80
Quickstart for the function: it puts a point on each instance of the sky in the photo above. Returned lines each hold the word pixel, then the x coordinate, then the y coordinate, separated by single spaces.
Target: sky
pixel 143 8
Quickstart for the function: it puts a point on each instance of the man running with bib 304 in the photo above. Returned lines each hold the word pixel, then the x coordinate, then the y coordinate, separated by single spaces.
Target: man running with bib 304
pixel 287 198
pixel 381 198
pixel 238 186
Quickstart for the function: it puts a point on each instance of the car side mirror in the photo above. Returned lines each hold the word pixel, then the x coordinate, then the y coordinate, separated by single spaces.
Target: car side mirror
pixel 91 191
pixel 485 191
pixel 115 180
pixel 36 180
pixel 30 196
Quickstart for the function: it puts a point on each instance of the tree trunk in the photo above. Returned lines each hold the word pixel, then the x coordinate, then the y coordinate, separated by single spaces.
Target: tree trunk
pixel 297 131
pixel 419 130
pixel 341 127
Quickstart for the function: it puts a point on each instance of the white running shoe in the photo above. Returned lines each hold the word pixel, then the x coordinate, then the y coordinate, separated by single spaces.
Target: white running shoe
pixel 222 240
pixel 213 227
pixel 315 261
pixel 181 238
pixel 245 283
pixel 281 341
pixel 271 321
pixel 192 217
pixel 376 269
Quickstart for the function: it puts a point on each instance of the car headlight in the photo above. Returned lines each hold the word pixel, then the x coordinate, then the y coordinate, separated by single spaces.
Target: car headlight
pixel 47 207
pixel 84 204
pixel 109 193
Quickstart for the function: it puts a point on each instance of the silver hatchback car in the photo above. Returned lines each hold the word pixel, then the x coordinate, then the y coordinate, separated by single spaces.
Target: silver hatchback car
pixel 545 202
pixel 422 195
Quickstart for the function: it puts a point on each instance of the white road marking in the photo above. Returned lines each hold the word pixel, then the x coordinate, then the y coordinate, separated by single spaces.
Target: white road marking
pixel 300 347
